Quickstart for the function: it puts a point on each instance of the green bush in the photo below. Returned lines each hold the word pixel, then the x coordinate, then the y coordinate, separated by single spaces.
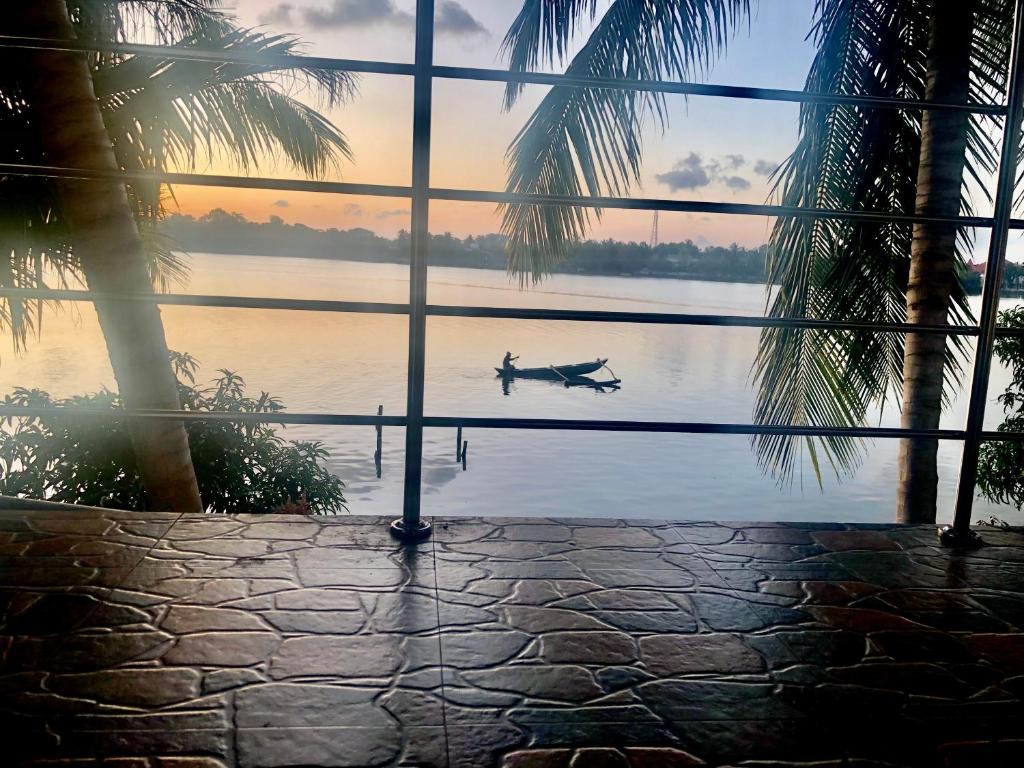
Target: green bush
pixel 241 468
pixel 1001 464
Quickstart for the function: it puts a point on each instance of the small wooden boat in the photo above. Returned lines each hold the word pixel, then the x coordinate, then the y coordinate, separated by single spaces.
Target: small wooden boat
pixel 554 373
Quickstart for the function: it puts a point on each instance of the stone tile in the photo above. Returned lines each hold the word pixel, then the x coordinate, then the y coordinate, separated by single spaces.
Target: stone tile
pixel 270 640
pixel 318 600
pixel 112 746
pixel 539 620
pixel 345 657
pixel 316 622
pixel 52 613
pixel 475 746
pixel 295 705
pixel 726 611
pixel 333 747
pixel 473 649
pixel 84 650
pixel 143 686
pixel 895 570
pixel 719 653
pixel 842 541
pixel 268 747
pixel 605 648
pixel 686 700
pixel 779 743
pixel 223 649
pixel 564 682
pixel 297 530
pixel 185 619
pixel 1004 651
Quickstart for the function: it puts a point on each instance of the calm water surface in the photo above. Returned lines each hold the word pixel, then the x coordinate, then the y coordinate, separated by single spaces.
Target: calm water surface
pixel 353 363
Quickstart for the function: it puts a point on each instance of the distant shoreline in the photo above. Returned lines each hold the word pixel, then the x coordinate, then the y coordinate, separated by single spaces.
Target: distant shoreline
pixel 222 232
pixel 654 276
pixel 227 233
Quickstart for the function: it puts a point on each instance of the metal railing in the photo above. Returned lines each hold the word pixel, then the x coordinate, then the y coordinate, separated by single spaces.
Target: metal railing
pixel 420 193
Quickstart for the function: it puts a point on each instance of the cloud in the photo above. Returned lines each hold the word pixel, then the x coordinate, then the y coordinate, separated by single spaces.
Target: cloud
pixel 765 168
pixel 280 14
pixel 353 209
pixel 689 173
pixel 693 172
pixel 357 13
pixel 396 212
pixel 452 19
pixel 281 203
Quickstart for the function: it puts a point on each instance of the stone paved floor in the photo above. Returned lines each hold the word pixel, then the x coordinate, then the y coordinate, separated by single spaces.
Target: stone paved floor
pixel 154 641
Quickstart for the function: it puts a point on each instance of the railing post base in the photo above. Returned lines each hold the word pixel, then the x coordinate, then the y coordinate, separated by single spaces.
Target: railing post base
pixel 960 538
pixel 402 532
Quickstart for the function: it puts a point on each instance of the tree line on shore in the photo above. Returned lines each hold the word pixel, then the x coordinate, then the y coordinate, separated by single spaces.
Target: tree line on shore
pixel 220 231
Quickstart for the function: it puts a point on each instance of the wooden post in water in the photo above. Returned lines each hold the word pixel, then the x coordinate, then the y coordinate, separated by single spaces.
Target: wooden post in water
pixel 380 436
pixel 458 444
pixel 465 447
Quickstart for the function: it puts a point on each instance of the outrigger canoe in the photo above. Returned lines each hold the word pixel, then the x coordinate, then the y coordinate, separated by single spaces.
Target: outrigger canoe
pixel 554 372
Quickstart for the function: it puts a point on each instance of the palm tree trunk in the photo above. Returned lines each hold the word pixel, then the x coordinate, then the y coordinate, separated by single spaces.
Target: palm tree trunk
pixel 932 261
pixel 59 90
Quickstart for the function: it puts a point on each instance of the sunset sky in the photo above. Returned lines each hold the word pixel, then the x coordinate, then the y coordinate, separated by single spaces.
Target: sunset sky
pixel 713 149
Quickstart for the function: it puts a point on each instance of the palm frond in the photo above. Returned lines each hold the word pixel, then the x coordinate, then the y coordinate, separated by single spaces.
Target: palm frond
pixel 588 140
pixel 157 110
pixel 540 36
pixel 857 159
pixel 158 22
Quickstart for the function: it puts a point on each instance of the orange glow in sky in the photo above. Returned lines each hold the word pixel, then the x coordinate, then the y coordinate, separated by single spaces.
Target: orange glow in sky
pixel 712 149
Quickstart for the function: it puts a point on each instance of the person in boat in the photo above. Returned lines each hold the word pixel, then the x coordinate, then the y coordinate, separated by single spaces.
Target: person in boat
pixel 506 364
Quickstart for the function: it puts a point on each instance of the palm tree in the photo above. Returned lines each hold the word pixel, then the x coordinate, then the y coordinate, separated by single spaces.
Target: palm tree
pixel 848 157
pixel 111 112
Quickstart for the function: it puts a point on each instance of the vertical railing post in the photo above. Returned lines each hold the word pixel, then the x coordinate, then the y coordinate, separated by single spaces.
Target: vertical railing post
pixel 410 526
pixel 960 533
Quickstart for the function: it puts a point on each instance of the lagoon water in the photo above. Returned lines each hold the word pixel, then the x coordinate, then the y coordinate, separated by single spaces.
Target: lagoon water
pixel 343 363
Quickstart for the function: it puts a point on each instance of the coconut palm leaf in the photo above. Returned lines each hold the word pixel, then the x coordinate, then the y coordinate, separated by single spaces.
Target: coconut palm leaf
pixel 158 22
pixel 156 109
pixel 165 113
pixel 846 157
pixel 859 159
pixel 587 141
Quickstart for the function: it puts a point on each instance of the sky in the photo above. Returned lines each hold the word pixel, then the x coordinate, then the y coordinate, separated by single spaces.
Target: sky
pixel 713 148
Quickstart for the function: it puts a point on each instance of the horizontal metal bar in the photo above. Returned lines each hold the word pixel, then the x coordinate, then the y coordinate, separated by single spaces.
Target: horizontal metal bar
pixel 700 206
pixel 208 300
pixel 506 313
pixel 689 427
pixel 484 196
pixel 492 75
pixel 589 425
pixel 22 503
pixel 208 180
pixel 329 419
pixel 706 89
pixel 221 56
pixel 996 437
pixel 666 318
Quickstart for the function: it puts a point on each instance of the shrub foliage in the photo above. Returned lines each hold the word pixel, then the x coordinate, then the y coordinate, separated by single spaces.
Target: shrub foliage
pixel 241 467
pixel 1001 464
